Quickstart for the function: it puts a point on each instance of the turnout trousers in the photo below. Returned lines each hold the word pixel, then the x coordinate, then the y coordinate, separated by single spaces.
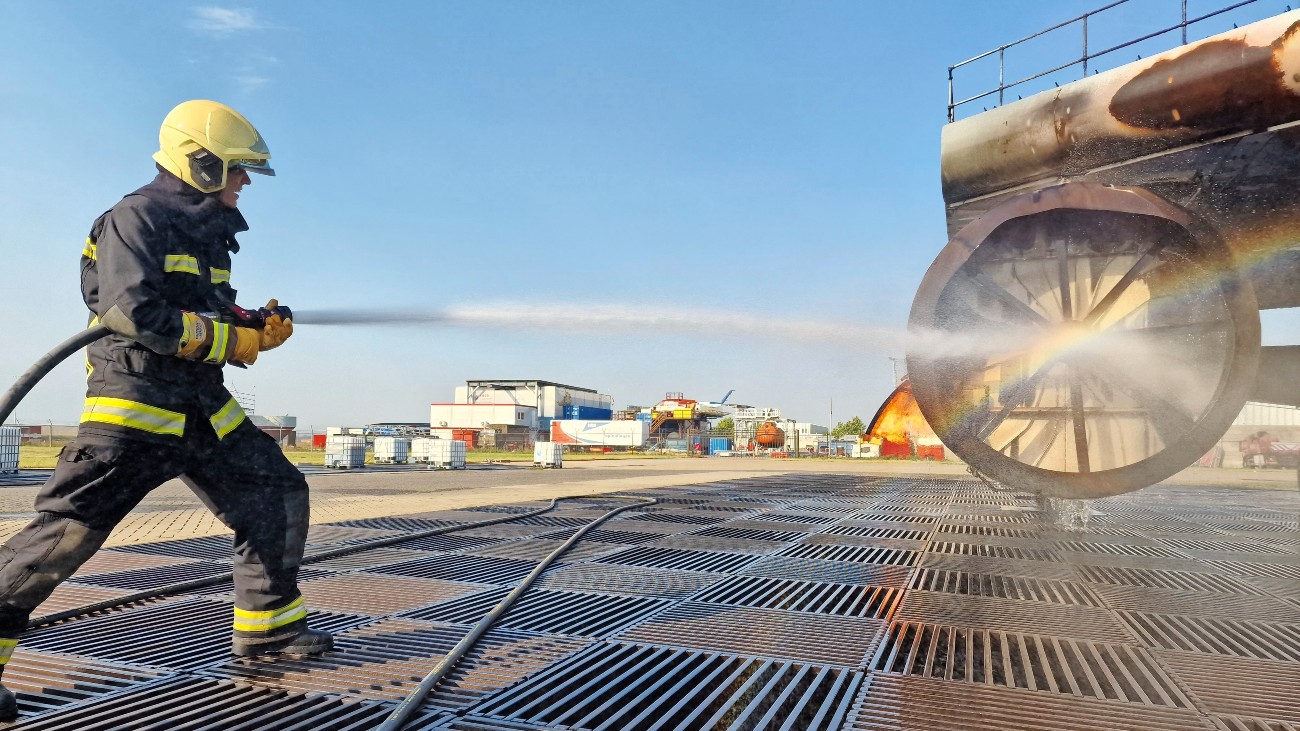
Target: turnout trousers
pixel 244 479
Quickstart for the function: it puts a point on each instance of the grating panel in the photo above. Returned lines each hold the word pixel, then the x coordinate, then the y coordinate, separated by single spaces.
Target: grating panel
pixel 768 525
pixel 667 558
pixel 44 681
pixel 1006 587
pixel 1186 580
pixel 447 542
pixel 803 519
pixel 535 549
pixel 1219 546
pixel 749 534
pixel 368 558
pixel 1217 636
pixel 111 562
pixel 1242 723
pixel 201 704
pixel 633 688
pixel 185 633
pixel 868 518
pixel 1257 569
pixel 877 532
pixel 995 531
pixel 374 594
pixel 1237 685
pixel 453 567
pixel 772 633
pixel 835 572
pixel 506 531
pixel 406 524
pixel 610 578
pixel 670 518
pixel 1177 601
pixel 1118 549
pixel 1009 566
pixel 322 533
pixel 853 554
pixel 697 542
pixel 158 576
pixel 71 595
pixel 209 547
pixel 1040 618
pixel 388 659
pixel 1014 660
pixel 551 612
pixel 845 600
pixel 989 550
pixel 601 535
pixel 893 703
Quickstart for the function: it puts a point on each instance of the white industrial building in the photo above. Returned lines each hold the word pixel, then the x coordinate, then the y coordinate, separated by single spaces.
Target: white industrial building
pixel 511 407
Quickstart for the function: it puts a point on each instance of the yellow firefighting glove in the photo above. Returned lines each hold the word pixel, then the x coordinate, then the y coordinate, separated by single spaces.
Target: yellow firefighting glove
pixel 276 330
pixel 216 342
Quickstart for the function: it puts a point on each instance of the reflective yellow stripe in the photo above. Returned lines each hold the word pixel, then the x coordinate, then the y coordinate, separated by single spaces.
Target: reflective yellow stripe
pixel 220 338
pixel 225 421
pixel 90 368
pixel 246 621
pixel 181 263
pixel 220 276
pixel 144 417
pixel 90 250
pixel 7 650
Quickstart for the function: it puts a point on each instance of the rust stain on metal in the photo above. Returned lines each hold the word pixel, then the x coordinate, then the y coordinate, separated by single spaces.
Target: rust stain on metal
pixel 1214 85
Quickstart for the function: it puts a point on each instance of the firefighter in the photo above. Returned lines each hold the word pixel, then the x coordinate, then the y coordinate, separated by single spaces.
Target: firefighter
pixel 154 269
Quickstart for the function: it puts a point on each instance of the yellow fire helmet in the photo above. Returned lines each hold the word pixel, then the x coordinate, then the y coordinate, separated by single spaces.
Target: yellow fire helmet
pixel 201 140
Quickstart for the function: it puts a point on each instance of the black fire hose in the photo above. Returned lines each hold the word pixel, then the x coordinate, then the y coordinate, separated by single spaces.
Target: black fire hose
pixel 42 367
pixel 412 701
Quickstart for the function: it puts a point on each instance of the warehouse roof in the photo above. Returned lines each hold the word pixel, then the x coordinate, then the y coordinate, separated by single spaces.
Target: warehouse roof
pixel 509 383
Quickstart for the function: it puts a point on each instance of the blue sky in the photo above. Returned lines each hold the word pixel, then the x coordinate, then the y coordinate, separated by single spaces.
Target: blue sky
pixel 775 160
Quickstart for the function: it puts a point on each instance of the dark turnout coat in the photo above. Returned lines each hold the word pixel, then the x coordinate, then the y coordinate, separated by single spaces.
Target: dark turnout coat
pixel 162 249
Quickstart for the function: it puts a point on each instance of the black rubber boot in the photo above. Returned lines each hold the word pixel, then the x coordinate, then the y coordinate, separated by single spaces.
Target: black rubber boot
pixel 302 642
pixel 8 703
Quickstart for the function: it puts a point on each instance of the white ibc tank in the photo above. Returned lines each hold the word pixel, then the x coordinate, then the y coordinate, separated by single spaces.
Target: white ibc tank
pixel 9 439
pixel 548 454
pixel 447 454
pixel 421 449
pixel 344 451
pixel 392 450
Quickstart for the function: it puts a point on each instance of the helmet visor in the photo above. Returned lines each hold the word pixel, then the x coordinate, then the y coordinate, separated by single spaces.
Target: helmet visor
pixel 261 167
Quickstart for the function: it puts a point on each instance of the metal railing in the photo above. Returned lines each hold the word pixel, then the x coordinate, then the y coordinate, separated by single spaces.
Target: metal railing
pixel 1082 60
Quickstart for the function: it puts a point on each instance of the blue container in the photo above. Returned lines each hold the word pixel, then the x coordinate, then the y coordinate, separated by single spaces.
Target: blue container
pixel 644 417
pixel 594 413
pixel 719 444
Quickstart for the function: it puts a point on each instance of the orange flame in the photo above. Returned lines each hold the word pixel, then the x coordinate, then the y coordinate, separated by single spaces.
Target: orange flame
pixel 899 420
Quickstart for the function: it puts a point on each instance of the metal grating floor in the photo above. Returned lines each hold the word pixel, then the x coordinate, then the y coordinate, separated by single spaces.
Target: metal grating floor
pixel 783 602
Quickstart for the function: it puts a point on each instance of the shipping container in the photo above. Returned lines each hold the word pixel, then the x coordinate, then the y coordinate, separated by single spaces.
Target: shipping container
pixel 719 444
pixel 10 437
pixel 676 445
pixel 318 441
pixel 392 450
pixel 600 433
pixel 548 454
pixel 345 452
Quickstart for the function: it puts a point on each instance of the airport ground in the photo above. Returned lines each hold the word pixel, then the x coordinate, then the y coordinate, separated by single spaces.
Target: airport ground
pixel 173 512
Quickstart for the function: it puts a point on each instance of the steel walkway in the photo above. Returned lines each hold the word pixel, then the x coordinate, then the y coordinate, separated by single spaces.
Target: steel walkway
pixel 784 602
